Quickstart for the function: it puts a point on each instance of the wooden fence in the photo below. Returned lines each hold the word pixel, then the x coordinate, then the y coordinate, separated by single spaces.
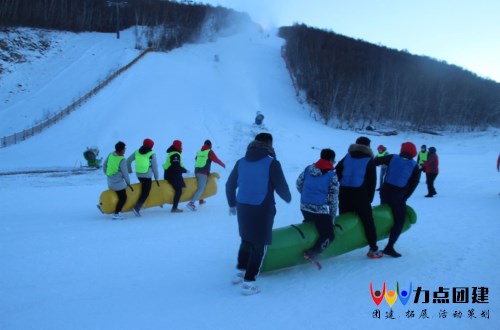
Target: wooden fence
pixel 21 136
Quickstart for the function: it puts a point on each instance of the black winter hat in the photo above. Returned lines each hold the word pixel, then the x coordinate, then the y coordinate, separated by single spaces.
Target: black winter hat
pixel 363 140
pixel 208 143
pixel 328 154
pixel 119 146
pixel 264 137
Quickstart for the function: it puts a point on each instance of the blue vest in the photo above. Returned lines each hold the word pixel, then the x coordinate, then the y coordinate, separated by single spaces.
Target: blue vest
pixel 315 189
pixel 354 171
pixel 253 180
pixel 399 171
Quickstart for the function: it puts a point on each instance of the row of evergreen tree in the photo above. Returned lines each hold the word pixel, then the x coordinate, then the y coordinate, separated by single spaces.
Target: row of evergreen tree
pixel 170 24
pixel 355 83
pixel 349 82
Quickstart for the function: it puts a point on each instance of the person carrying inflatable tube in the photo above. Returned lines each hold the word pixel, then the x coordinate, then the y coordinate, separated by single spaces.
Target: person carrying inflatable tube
pixel 204 159
pixel 173 170
pixel 145 167
pixel 403 175
pixel 319 190
pixel 358 178
pixel 115 168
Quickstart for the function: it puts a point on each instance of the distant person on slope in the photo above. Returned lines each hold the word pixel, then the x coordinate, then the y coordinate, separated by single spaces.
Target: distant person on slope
pixel 498 163
pixel 259 118
pixel 115 168
pixel 145 167
pixel 319 190
pixel 422 156
pixel 382 151
pixel 204 159
pixel 250 194
pixel 173 172
pixel 401 179
pixel 431 169
pixel 358 177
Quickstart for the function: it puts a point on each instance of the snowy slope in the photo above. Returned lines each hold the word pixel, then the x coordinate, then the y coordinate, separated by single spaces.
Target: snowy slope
pixel 66 266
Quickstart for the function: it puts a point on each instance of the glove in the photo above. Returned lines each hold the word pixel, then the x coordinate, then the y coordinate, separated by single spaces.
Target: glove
pixel 157 183
pixel 232 210
pixel 130 187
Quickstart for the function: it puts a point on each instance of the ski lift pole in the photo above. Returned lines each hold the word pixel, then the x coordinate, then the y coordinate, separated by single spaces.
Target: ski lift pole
pixel 118 5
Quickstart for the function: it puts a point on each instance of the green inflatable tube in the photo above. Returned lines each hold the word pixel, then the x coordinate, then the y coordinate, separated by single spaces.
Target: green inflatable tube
pixel 289 243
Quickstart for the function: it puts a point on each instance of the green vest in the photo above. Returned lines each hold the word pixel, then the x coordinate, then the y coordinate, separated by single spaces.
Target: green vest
pixel 201 158
pixel 142 162
pixel 167 162
pixel 113 165
pixel 422 157
pixel 382 154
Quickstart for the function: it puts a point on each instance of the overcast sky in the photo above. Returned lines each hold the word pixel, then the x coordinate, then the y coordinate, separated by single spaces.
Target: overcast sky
pixel 461 32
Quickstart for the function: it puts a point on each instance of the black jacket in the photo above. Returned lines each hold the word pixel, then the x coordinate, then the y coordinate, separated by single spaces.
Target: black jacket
pixel 173 174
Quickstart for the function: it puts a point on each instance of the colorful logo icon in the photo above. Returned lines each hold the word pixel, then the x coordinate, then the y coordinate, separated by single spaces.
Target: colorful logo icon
pixel 390 295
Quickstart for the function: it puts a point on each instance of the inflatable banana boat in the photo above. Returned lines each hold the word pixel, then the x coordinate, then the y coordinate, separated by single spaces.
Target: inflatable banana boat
pixel 289 243
pixel 159 195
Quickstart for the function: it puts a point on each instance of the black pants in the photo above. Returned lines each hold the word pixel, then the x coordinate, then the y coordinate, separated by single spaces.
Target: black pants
pixel 250 258
pixel 430 178
pixel 324 226
pixel 122 199
pixel 177 184
pixel 397 202
pixel 145 189
pixel 356 200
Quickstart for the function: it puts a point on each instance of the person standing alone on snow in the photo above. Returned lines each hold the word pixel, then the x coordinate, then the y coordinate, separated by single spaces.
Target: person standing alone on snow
pixel 204 159
pixel 115 168
pixel 319 188
pixel 145 167
pixel 403 175
pixel 173 172
pixel 250 194
pixel 431 169
pixel 358 177
pixel 382 151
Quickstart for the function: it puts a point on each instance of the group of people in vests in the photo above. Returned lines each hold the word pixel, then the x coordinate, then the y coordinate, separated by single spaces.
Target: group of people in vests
pixel 117 170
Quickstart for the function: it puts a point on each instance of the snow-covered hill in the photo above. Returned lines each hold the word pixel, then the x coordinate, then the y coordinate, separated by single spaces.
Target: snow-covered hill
pixel 66 266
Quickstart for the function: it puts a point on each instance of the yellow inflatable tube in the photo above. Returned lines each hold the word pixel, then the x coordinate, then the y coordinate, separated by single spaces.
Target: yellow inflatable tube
pixel 164 194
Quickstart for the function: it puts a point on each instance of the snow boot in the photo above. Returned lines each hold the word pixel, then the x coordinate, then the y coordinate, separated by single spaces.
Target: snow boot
pixel 249 288
pixel 238 277
pixel 118 216
pixel 374 254
pixel 136 210
pixel 391 252
pixel 191 206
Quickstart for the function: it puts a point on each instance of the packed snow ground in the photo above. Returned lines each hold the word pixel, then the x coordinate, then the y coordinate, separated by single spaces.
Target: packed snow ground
pixel 67 266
